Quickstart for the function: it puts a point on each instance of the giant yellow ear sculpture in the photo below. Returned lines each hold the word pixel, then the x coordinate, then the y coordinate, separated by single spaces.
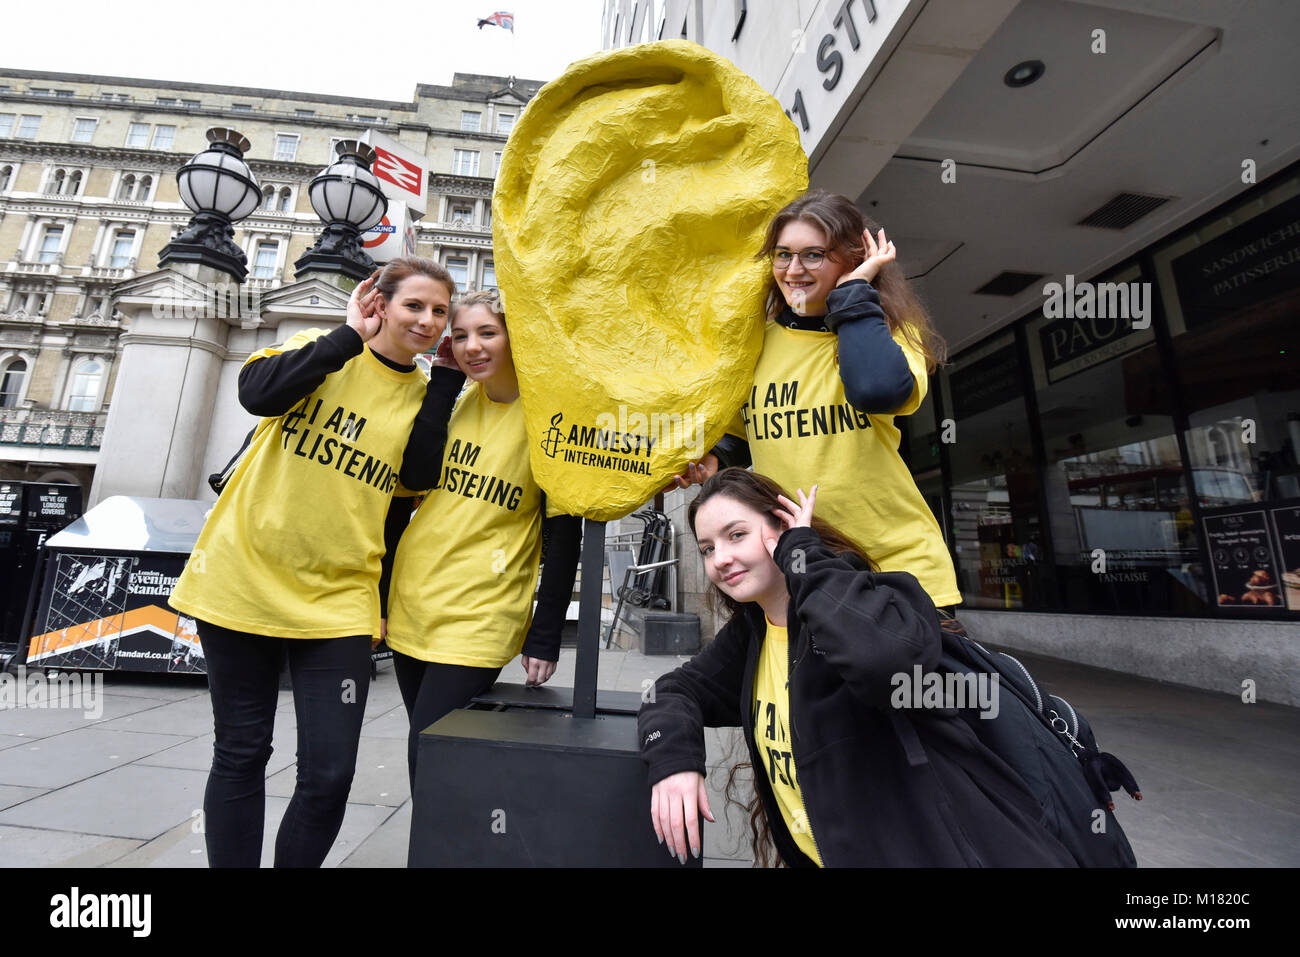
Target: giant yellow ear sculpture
pixel 632 196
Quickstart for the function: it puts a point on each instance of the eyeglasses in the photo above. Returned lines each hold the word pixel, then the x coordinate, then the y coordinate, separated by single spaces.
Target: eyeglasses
pixel 811 258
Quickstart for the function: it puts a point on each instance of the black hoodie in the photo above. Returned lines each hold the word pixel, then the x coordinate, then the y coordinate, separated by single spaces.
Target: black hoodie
pixel 877 792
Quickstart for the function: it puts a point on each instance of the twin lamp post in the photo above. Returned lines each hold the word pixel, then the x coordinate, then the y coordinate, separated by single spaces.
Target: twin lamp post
pixel 219 187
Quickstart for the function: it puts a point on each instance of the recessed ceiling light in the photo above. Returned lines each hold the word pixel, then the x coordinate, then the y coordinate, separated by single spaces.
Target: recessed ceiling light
pixel 1024 73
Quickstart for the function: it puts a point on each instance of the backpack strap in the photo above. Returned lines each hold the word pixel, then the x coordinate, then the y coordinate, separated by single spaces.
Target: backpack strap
pixel 908 738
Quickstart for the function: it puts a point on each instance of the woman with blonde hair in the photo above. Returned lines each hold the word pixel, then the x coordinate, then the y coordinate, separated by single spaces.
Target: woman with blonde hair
pixel 461 598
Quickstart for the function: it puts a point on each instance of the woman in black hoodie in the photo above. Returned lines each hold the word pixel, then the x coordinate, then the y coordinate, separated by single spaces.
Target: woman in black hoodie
pixel 807 667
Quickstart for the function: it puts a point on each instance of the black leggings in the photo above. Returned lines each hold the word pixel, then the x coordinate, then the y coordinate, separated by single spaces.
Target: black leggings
pixel 331 678
pixel 431 690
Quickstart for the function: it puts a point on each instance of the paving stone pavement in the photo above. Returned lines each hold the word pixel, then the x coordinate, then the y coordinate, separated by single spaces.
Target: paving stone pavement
pixel 122 788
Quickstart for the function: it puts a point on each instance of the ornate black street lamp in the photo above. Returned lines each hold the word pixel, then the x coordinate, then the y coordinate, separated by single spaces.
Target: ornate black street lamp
pixel 347 198
pixel 221 190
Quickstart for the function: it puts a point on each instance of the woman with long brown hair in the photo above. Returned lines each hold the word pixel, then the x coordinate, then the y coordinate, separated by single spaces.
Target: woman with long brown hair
pixel 288 563
pixel 847 348
pixel 807 666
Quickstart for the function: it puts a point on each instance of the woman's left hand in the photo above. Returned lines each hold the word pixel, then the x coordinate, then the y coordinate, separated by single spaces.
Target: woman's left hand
pixel 444 356
pixel 791 516
pixel 878 254
pixel 539 671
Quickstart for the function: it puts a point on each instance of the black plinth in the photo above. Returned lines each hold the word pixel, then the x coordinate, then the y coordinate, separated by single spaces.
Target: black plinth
pixel 533 788
pixel 539 777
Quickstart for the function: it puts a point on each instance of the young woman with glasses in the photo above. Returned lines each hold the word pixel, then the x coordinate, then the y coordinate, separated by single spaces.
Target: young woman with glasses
pixel 848 347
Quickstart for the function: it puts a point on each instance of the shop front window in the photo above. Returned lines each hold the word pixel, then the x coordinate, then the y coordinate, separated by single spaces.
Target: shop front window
pixel 1118 509
pixel 996 527
pixel 1232 291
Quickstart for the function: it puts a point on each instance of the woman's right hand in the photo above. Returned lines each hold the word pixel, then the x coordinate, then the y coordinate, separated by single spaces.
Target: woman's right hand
pixel 362 313
pixel 696 473
pixel 676 803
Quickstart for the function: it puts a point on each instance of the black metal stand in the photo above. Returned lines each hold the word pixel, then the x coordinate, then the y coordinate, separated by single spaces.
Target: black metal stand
pixel 519 779
pixel 588 664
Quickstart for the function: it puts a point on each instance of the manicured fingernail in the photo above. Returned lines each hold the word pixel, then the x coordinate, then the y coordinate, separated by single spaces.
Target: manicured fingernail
pixel 661 838
pixel 681 858
pixel 695 852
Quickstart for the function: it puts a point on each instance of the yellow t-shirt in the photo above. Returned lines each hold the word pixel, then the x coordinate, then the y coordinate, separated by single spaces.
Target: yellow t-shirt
pixel 771 735
pixel 292 547
pixel 802 430
pixel 466 567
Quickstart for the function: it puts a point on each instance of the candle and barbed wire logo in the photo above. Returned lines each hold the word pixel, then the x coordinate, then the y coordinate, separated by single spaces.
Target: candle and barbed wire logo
pixel 554 436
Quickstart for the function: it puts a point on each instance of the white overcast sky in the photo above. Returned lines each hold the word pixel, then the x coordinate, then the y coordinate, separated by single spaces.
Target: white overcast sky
pixel 378 49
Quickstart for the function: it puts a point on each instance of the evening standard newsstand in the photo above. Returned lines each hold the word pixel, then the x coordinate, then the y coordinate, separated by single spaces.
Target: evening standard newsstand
pixel 106 581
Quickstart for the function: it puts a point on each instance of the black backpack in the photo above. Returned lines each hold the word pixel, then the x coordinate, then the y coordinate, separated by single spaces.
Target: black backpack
pixel 1051 746
pixel 217 481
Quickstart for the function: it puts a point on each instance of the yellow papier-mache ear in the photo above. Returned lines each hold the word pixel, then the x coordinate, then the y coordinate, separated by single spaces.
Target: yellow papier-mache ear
pixel 632 197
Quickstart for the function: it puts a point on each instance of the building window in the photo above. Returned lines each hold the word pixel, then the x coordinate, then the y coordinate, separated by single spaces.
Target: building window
pixel 489 275
pixel 334 141
pixel 163 137
pixel 286 147
pixel 458 266
pixel 28 126
pixel 65 94
pixel 470 121
pixel 83 130
pixel 137 135
pixel 460 211
pixel 84 394
pixel 242 107
pixel 11 383
pixel 466 163
pixel 167 101
pixel 995 517
pixel 505 123
pixel 6 124
pixel 302 112
pixel 268 197
pixel 133 188
pixel 40 91
pixel 123 246
pixel 50 244
pixel 496 162
pixel 62 182
pixel 268 252
pixel 1113 477
pixel 6 175
pixel 286 199
pixel 191 104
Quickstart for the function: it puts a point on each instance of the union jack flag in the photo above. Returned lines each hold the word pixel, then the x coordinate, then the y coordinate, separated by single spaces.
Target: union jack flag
pixel 499 19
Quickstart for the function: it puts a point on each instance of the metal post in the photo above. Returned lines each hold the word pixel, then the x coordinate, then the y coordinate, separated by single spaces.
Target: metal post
pixel 593 562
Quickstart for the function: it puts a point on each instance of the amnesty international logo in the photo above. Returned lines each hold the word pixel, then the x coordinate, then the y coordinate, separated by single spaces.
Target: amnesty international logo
pixel 554 435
